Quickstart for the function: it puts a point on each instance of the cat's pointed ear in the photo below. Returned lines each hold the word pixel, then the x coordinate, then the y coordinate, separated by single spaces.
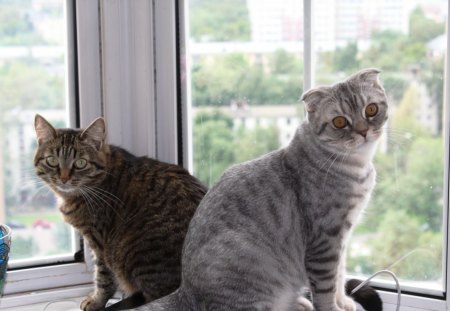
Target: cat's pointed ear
pixel 95 132
pixel 44 130
pixel 313 97
pixel 369 75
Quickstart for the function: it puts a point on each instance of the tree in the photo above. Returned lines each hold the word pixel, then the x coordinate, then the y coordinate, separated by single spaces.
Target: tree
pixel 406 249
pixel 217 80
pixel 17 26
pixel 212 146
pixel 219 20
pixel 27 85
pixel 252 143
pixel 423 29
pixel 218 145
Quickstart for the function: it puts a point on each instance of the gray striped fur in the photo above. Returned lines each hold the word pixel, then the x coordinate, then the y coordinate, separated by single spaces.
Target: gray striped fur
pixel 278 224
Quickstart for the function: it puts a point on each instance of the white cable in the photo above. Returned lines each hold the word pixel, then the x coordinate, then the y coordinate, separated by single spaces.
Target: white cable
pixel 48 304
pixel 399 292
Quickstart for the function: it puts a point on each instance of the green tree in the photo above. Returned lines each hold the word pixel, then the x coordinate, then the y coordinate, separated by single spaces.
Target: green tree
pixel 17 27
pixel 218 80
pixel 407 250
pixel 422 28
pixel 283 63
pixel 219 20
pixel 252 143
pixel 27 85
pixel 405 116
pixel 212 145
pixel 218 145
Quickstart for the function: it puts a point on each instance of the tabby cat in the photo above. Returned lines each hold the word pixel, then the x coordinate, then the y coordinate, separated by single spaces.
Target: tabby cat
pixel 133 211
pixel 275 228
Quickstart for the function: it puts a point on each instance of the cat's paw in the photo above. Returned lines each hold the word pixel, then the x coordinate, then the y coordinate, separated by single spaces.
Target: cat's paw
pixel 346 303
pixel 304 304
pixel 92 304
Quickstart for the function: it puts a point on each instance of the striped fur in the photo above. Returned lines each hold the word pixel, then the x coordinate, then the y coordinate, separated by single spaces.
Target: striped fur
pixel 279 224
pixel 133 211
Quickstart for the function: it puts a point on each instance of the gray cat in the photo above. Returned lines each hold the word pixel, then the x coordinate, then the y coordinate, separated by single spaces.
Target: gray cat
pixel 273 228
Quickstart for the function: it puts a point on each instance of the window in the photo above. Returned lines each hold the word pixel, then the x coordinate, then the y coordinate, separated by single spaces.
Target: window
pixel 402 227
pixel 37 74
pixel 34 74
pixel 246 77
pixel 249 60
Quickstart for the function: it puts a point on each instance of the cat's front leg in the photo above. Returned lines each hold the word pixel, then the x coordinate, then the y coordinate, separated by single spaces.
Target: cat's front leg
pixel 322 272
pixel 342 299
pixel 105 287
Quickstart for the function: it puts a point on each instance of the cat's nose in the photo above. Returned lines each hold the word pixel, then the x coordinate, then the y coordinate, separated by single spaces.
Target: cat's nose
pixel 363 133
pixel 65 176
pixel 361 128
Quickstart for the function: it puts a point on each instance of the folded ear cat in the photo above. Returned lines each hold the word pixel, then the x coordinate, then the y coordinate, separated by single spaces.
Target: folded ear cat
pixel 133 211
pixel 277 227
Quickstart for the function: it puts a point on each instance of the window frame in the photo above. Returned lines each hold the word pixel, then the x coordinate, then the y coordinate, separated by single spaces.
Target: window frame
pixel 160 106
pixel 426 300
pixel 131 79
pixel 21 278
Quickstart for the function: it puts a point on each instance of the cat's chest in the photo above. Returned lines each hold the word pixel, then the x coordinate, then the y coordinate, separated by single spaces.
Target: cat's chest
pixel 341 203
pixel 90 222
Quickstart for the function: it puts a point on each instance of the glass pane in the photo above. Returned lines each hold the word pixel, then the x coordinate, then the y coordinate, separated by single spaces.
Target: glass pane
pixel 246 70
pixel 402 227
pixel 33 75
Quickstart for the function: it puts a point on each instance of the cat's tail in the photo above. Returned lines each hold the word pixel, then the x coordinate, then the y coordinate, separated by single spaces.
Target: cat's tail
pixel 170 302
pixel 366 296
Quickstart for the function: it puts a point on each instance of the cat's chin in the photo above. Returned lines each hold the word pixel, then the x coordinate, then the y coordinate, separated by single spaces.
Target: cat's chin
pixel 65 189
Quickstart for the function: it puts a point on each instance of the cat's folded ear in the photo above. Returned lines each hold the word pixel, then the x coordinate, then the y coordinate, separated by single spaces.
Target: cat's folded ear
pixel 369 75
pixel 95 132
pixel 44 130
pixel 313 97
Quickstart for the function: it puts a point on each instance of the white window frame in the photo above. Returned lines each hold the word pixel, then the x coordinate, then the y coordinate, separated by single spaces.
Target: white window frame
pixel 422 301
pixel 124 69
pixel 127 72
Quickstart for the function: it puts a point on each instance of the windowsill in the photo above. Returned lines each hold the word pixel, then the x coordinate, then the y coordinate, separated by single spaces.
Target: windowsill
pixel 37 300
pixel 67 304
pixel 69 298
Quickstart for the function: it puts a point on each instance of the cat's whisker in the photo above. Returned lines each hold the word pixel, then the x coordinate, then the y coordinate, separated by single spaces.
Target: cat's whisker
pixel 107 197
pixel 109 194
pixel 346 154
pixel 326 161
pixel 88 201
pixel 328 170
pixel 103 199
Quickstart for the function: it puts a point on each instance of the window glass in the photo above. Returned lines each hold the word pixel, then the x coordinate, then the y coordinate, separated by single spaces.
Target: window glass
pixel 402 227
pixel 33 75
pixel 247 75
pixel 245 63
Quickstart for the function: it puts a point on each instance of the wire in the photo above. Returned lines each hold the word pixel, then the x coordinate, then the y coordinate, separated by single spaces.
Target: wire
pixel 56 301
pixel 399 292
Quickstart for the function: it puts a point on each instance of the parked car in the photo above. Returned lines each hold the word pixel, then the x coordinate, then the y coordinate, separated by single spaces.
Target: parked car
pixel 42 223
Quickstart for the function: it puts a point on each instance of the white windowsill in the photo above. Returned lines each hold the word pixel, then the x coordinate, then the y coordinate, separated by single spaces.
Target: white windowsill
pixel 69 298
pixel 37 300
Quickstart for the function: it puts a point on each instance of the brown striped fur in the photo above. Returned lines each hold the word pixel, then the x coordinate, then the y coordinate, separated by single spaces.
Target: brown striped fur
pixel 133 211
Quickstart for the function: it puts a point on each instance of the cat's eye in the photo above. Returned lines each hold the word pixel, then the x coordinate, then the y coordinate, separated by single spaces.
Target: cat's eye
pixel 371 110
pixel 80 164
pixel 52 161
pixel 340 122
